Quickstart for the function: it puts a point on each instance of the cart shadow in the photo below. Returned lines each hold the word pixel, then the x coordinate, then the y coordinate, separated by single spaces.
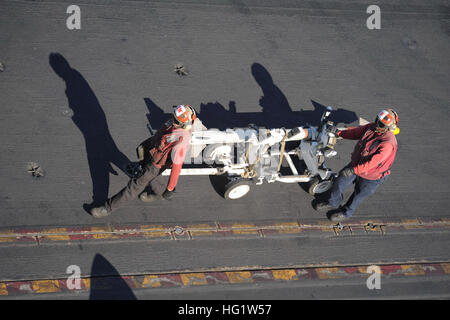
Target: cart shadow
pixel 90 119
pixel 218 183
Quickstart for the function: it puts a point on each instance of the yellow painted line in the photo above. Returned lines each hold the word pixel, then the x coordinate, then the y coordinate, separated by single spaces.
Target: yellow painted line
pixel 154 231
pixel 362 269
pixel 101 233
pixel 8 239
pixel 288 274
pixel 152 281
pixel 201 230
pixel 201 226
pixel 325 226
pixel 3 290
pixel 328 273
pixel 411 224
pixel 193 279
pixel 87 283
pixel 8 236
pixel 156 234
pixel 200 233
pixel 238 228
pixel 200 278
pixel 55 234
pixel 239 276
pixel 288 227
pixel 45 286
pixel 154 228
pixel 412 270
pixel 212 229
pixel 446 267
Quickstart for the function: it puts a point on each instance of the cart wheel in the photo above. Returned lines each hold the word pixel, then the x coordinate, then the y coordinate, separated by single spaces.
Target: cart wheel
pixel 236 189
pixel 315 186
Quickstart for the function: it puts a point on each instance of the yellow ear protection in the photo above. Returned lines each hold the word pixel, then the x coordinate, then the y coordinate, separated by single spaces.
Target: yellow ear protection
pixel 397 129
pixel 193 118
pixel 387 120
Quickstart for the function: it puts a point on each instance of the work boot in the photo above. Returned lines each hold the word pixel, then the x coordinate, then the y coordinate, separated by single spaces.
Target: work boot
pixel 148 197
pixel 100 212
pixel 337 216
pixel 322 206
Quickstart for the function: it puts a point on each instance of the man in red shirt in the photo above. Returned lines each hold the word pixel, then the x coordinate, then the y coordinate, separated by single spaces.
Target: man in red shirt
pixel 370 164
pixel 166 149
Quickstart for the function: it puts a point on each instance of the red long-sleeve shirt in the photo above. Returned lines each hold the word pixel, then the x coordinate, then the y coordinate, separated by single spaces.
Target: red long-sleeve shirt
pixel 374 153
pixel 170 148
pixel 178 155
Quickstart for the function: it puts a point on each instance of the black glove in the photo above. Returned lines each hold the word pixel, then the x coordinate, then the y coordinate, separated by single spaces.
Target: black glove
pixel 293 132
pixel 347 172
pixel 334 130
pixel 168 194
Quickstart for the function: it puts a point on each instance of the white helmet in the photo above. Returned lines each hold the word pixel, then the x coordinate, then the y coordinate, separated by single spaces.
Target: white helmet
pixel 387 119
pixel 184 116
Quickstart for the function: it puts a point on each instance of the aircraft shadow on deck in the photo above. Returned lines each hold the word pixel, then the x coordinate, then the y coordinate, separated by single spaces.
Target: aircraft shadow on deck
pixel 106 282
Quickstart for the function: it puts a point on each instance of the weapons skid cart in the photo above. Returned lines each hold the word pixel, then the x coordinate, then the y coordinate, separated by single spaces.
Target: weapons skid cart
pixel 260 153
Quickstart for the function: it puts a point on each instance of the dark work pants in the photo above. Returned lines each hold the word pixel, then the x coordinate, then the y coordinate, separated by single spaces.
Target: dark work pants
pixel 150 176
pixel 363 189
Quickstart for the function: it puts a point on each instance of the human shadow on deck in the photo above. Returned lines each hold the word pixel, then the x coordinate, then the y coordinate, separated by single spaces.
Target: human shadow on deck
pixel 89 117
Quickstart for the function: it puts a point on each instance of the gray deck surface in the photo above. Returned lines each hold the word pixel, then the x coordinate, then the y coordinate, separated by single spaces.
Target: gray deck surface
pixel 268 60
